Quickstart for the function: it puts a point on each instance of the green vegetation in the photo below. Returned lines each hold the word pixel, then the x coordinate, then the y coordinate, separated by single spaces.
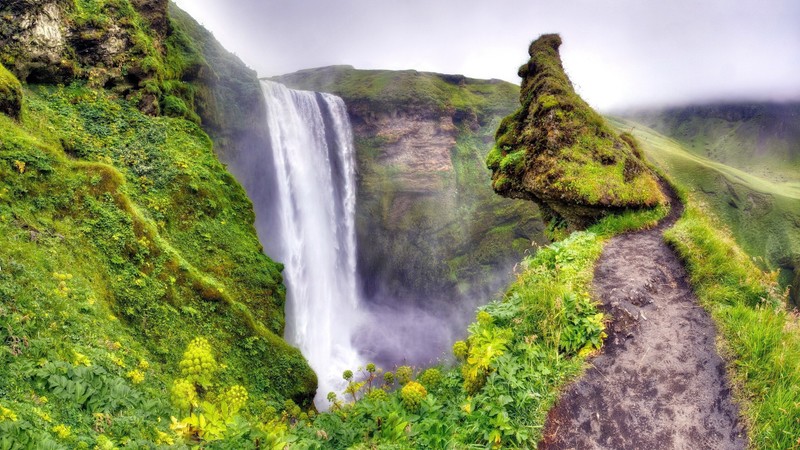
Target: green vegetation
pixel 387 90
pixel 762 214
pixel 123 239
pixel 760 138
pixel 559 152
pixel 519 352
pixel 760 339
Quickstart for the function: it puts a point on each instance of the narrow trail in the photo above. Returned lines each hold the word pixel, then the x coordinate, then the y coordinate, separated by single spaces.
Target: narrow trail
pixel 659 382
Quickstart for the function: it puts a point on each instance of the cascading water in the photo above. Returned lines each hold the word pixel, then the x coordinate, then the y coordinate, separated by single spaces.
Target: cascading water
pixel 314 164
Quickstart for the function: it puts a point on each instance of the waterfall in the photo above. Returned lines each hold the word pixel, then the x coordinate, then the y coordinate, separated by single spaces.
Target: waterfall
pixel 314 170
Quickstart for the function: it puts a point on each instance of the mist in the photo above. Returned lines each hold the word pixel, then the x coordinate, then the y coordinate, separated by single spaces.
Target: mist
pixel 420 330
pixel 619 54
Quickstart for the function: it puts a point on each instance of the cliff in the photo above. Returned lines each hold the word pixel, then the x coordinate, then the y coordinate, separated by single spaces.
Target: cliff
pixel 558 152
pixel 430 230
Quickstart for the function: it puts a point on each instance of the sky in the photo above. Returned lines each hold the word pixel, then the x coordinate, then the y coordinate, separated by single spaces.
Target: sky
pixel 619 53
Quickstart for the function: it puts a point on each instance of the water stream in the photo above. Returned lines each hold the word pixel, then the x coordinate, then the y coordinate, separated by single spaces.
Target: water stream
pixel 314 163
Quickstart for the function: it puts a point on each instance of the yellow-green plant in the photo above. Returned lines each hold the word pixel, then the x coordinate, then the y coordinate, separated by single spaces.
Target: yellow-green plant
pixel 430 377
pixel 209 415
pixel 183 395
pixel 198 364
pixel 460 350
pixel 486 344
pixel 404 374
pixel 412 395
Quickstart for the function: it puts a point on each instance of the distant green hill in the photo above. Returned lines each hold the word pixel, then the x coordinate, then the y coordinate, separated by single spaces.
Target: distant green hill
pixel 759 138
pixel 763 214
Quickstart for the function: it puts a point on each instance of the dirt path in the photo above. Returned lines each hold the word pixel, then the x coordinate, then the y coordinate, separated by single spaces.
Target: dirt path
pixel 659 383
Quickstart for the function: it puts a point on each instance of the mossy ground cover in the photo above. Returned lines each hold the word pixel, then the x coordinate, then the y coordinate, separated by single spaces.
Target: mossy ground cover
pixel 10 93
pixel 123 238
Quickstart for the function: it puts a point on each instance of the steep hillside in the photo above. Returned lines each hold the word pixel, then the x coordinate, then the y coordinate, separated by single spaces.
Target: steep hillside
pixel 557 151
pixel 760 138
pixel 430 230
pixel 763 215
pixel 123 238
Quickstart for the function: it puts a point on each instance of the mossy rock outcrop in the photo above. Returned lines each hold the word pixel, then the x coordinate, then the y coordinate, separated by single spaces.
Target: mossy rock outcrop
pixel 557 151
pixel 10 93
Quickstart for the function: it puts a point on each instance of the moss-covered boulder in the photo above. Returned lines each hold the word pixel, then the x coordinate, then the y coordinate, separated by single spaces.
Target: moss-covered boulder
pixel 10 93
pixel 557 151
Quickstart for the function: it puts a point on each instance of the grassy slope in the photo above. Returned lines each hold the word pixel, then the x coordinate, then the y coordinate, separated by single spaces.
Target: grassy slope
pixel 451 239
pixel 764 215
pixel 123 238
pixel 758 338
pixel 760 138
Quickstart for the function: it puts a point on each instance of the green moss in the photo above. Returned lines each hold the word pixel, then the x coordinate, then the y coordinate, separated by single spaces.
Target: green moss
pixel 556 149
pixel 513 163
pixel 10 93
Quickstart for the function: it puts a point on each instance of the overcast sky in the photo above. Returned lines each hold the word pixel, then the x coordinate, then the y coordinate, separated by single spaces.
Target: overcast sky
pixel 619 53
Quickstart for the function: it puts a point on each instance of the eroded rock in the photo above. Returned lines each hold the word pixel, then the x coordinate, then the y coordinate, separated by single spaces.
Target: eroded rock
pixel 557 151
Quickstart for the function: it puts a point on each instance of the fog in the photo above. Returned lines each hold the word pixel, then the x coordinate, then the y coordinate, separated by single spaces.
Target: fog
pixel 619 53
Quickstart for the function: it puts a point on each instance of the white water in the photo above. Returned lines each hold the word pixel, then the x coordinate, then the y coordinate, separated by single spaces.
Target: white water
pixel 314 160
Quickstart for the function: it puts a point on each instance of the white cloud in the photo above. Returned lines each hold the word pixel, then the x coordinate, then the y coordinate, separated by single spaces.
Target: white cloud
pixel 618 53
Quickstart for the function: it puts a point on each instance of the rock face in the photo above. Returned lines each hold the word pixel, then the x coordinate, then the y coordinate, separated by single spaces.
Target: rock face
pixel 128 46
pixel 32 38
pixel 558 152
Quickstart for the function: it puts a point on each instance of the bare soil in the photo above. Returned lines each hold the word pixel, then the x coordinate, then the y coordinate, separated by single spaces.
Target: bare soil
pixel 659 382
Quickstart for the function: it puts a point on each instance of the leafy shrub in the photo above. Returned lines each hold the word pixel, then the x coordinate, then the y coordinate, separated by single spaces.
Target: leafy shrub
pixel 430 377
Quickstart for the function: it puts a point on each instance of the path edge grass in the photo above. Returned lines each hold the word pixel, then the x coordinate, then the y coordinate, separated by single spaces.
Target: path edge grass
pixel 756 335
